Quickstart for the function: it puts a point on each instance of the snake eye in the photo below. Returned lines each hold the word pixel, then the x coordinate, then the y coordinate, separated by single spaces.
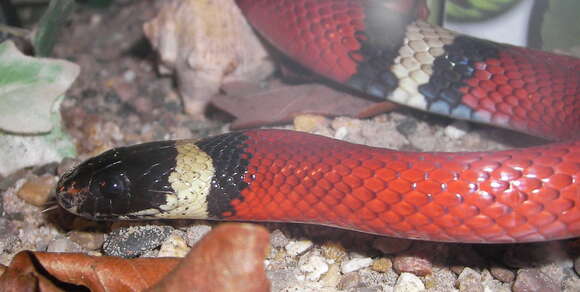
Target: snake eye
pixel 110 185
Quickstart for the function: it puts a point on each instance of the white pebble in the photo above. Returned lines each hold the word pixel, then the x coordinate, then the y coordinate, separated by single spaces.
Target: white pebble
pixel 314 267
pixel 63 245
pixel 174 246
pixel 295 248
pixel 355 264
pixel 129 76
pixel 408 282
pixel 341 133
pixel 457 130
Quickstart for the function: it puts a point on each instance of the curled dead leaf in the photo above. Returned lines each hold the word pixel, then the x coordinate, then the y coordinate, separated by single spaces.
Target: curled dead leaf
pixel 230 258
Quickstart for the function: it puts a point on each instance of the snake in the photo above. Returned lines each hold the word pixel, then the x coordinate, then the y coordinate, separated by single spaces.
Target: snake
pixel 383 49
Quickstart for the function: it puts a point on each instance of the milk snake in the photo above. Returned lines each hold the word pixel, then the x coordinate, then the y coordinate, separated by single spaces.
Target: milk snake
pixel 384 49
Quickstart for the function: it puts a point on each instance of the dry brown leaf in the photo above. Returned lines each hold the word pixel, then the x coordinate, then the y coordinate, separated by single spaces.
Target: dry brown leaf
pixel 230 258
pixel 96 273
pixel 255 106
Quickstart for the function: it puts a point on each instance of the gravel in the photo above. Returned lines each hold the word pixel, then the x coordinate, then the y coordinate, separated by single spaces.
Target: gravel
pixel 120 99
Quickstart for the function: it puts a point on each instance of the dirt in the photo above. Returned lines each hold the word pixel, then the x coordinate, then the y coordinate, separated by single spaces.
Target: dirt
pixel 120 99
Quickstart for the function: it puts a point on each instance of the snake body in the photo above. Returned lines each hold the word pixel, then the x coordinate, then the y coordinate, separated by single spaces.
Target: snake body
pixel 384 49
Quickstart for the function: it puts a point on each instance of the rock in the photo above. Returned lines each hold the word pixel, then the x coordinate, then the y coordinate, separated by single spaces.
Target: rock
pixel 63 245
pixel 503 274
pixel 408 282
pixel 280 279
pixel 349 281
pixel 442 279
pixel 314 267
pixel 310 123
pixel 571 284
pixel 37 189
pixel 174 246
pixel 407 126
pixel 469 281
pixel 412 264
pixel 333 251
pixel 332 277
pixel 457 130
pixel 133 241
pixel 531 280
pixel 206 43
pixel 88 240
pixel 355 264
pixel 381 265
pixel 278 239
pixel 195 233
pixel 296 248
pixel 388 245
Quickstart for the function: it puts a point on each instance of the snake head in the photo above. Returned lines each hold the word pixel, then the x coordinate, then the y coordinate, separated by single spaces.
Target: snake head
pixel 122 183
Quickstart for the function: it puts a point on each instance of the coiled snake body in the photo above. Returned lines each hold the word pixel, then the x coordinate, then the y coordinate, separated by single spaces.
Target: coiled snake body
pixel 380 48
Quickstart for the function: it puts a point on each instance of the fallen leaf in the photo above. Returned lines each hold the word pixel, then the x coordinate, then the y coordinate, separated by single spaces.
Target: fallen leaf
pixel 279 103
pixel 29 88
pixel 96 273
pixel 229 258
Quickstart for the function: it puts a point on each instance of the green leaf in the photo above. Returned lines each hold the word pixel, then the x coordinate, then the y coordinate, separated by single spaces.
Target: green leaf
pixel 49 25
pixel 31 90
pixel 28 89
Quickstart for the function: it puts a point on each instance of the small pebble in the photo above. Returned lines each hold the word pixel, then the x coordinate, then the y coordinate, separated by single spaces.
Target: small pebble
pixel 407 127
pixel 314 267
pixel 129 76
pixel 382 265
pixel 528 280
pixel 469 281
pixel 349 281
pixel 408 282
pixel 37 189
pixel 503 274
pixel 63 245
pixel 134 241
pixel 88 240
pixel 310 123
pixel 332 277
pixel 195 233
pixel 296 248
pixel 333 250
pixel 278 239
pixel 388 245
pixel 174 246
pixel 280 279
pixel 341 133
pixel 411 264
pixel 457 129
pixel 355 264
